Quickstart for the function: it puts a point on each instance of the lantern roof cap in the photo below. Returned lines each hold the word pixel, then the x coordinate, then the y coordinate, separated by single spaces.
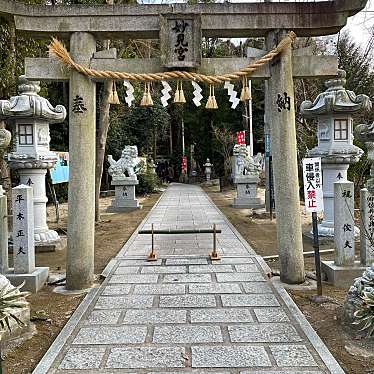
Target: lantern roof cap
pixel 28 104
pixel 335 100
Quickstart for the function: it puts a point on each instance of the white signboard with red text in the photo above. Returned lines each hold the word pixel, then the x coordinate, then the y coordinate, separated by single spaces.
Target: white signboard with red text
pixel 312 175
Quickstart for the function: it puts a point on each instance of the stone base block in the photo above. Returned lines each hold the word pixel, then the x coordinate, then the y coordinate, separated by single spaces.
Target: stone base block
pixel 45 237
pixel 59 245
pixel 327 239
pixel 117 209
pixel 33 281
pixel 342 276
pixel 46 247
pixel 252 203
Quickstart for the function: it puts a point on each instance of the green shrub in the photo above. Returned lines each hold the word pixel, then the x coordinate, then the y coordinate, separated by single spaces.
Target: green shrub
pixel 148 182
pixel 365 313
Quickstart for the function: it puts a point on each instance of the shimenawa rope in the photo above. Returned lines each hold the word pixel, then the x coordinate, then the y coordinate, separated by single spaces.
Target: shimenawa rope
pixel 56 48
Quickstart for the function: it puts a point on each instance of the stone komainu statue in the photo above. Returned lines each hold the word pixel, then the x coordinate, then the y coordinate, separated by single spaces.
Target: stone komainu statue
pixel 126 165
pixel 5 138
pixel 245 164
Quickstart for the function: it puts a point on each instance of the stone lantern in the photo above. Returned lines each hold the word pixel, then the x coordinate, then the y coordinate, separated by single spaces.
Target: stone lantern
pixel 30 116
pixel 333 110
pixel 208 169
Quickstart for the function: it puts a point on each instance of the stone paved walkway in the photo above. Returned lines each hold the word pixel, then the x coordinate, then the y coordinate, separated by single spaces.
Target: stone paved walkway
pixel 183 314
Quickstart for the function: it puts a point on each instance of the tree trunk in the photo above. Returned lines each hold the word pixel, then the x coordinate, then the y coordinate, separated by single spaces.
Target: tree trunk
pixel 154 144
pixel 12 57
pixel 102 131
pixel 5 180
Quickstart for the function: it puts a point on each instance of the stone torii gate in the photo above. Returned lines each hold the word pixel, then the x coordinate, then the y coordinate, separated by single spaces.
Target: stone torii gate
pixel 83 26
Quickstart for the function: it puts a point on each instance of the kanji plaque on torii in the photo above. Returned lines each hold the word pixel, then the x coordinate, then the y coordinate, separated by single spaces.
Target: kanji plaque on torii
pixel 180 40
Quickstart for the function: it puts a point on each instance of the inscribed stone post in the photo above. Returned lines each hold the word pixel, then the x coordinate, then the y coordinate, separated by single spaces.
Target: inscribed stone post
pixel 82 131
pixel 367 227
pixel 344 223
pixel 23 230
pixel 281 114
pixel 3 232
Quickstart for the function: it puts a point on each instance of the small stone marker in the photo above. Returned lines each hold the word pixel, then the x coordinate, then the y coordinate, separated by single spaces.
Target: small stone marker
pixel 367 227
pixel 23 230
pixel 3 232
pixel 344 223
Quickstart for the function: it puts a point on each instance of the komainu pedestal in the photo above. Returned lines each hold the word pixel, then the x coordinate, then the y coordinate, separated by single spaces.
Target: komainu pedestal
pixel 246 177
pixel 124 180
pixel 246 189
pixel 124 194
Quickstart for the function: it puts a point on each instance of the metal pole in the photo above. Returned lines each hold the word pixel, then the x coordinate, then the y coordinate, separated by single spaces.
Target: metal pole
pixel 152 255
pixel 270 188
pixel 250 118
pixel 317 259
pixel 183 149
pixel 214 255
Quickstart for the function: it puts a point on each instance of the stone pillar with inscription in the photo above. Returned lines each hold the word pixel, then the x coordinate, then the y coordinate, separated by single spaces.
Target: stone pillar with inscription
pixel 281 115
pixel 344 268
pixel 23 242
pixel 344 223
pixel 30 116
pixel 3 232
pixel 366 227
pixel 82 139
pixel 365 134
pixel 334 111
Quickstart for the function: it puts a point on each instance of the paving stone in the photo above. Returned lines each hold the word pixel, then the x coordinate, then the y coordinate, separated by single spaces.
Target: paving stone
pixel 249 300
pixel 187 301
pixel 214 288
pixel 211 269
pixel 187 334
pixel 122 302
pixel 82 358
pixel 127 270
pixel 224 315
pixel 146 357
pixel 271 315
pixel 191 372
pixel 186 261
pixel 111 335
pixel 247 268
pixel 292 355
pixel 229 356
pixel 164 270
pixel 264 333
pixel 134 278
pixel 236 260
pixel 159 289
pixel 187 278
pixel 155 316
pixel 257 287
pixel 240 277
pixel 103 317
pixel 118 289
pixel 301 371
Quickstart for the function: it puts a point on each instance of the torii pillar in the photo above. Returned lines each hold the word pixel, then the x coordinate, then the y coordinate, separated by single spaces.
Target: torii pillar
pixel 281 115
pixel 82 132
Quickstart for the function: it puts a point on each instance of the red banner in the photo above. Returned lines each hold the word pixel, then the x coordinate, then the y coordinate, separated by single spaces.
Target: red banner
pixel 184 165
pixel 240 137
